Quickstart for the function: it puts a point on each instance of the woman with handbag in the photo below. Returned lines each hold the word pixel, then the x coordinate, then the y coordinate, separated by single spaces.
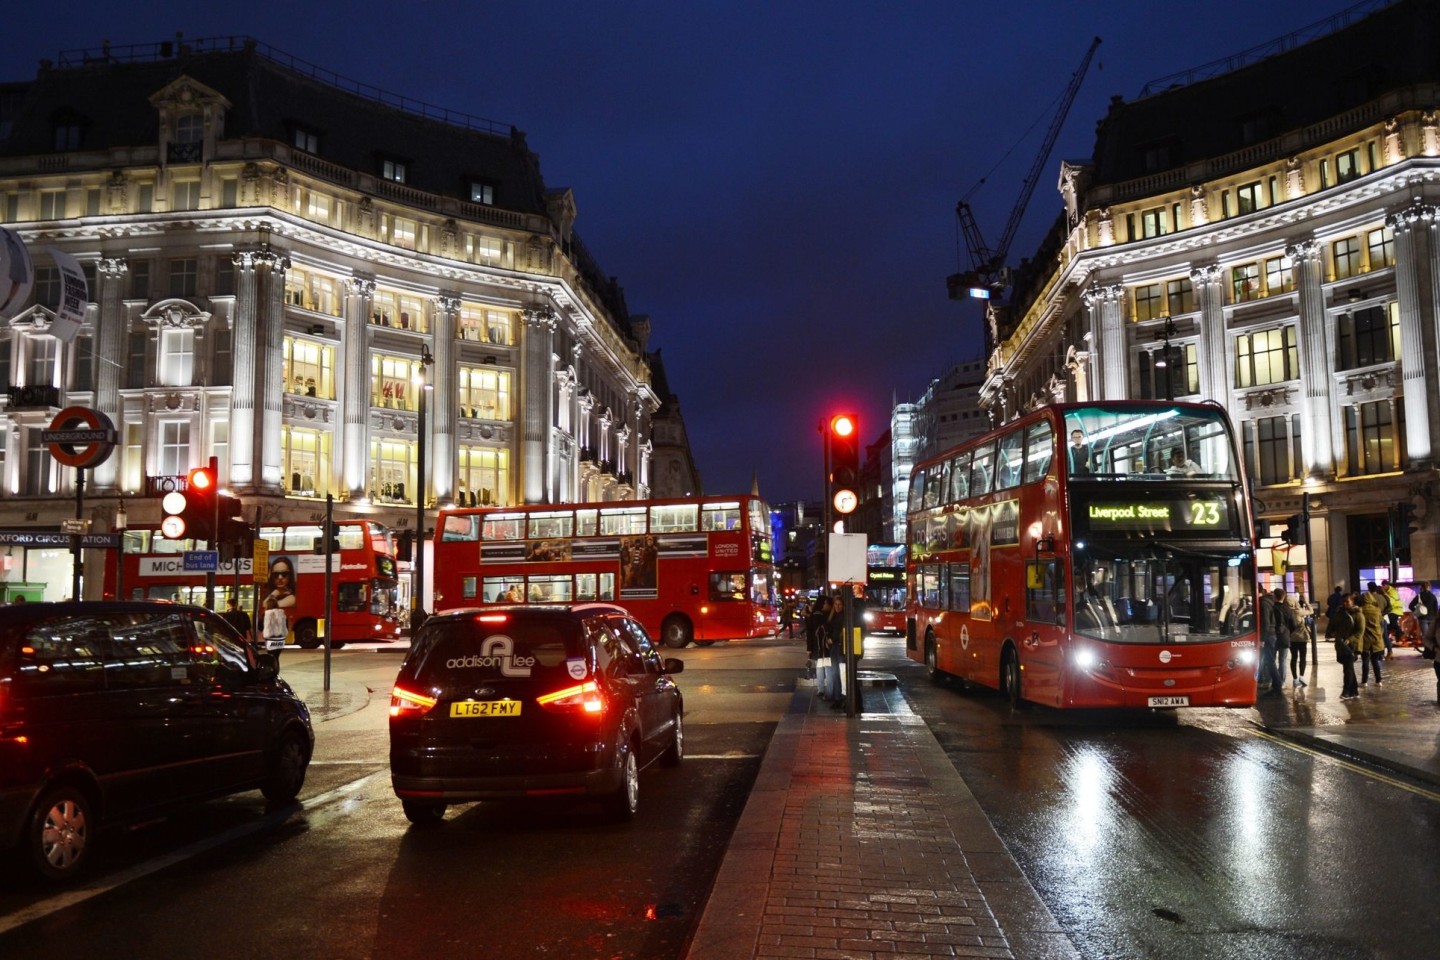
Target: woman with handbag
pixel 1346 628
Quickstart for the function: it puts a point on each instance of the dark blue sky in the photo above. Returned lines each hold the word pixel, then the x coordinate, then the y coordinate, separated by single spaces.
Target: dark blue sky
pixel 774 183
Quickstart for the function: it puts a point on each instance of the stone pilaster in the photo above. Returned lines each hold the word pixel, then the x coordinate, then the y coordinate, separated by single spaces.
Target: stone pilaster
pixel 109 346
pixel 1413 366
pixel 270 270
pixel 1214 370
pixel 443 398
pixel 1107 329
pixel 536 376
pixel 1322 419
pixel 245 350
pixel 355 390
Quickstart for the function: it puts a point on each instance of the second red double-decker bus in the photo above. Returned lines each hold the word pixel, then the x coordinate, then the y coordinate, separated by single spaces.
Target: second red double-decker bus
pixel 362 577
pixel 885 588
pixel 698 568
pixel 1089 555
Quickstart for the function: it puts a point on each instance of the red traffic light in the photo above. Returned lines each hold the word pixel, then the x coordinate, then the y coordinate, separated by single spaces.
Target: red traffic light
pixel 201 478
pixel 842 425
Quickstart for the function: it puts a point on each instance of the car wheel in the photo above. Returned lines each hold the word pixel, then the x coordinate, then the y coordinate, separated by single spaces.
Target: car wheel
pixel 676 632
pixel 59 833
pixel 423 813
pixel 676 751
pixel 285 770
pixel 622 804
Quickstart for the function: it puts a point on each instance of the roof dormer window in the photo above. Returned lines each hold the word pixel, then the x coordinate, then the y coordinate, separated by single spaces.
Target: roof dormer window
pixel 392 169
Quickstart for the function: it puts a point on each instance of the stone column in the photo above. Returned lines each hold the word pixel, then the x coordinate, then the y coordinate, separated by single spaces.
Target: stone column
pixel 1107 330
pixel 1214 370
pixel 109 346
pixel 270 299
pixel 245 348
pixel 443 377
pixel 355 388
pixel 1413 366
pixel 1322 423
pixel 536 376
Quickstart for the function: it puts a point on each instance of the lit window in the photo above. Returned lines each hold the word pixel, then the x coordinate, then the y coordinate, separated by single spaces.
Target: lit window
pixel 1381 245
pixel 481 192
pixel 307 140
pixel 177 357
pixel 1279 276
pixel 1147 302
pixel 393 170
pixel 52 204
pixel 1154 222
pixel 1347 166
pixel 1347 257
pixel 190 128
pixel 402 233
pixel 1245 282
pixel 1180 294
pixel 1248 197
pixel 185 195
pixel 1270 356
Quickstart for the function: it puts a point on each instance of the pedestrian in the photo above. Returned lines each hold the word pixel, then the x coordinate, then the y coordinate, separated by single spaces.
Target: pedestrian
pixel 835 633
pixel 237 618
pixel 1270 677
pixel 1335 601
pixel 1299 641
pixel 1394 610
pixel 275 628
pixel 1429 649
pixel 1425 606
pixel 819 644
pixel 1345 630
pixel 1372 647
pixel 787 618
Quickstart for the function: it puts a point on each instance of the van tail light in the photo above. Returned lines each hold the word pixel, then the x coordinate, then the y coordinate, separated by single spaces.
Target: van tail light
pixel 582 698
pixel 406 703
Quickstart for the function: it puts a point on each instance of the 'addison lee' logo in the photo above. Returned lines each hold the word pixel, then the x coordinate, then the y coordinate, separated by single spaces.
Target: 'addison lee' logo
pixel 495 652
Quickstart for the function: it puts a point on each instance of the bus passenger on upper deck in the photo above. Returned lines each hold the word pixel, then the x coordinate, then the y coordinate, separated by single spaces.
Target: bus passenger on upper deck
pixel 1080 453
pixel 1180 465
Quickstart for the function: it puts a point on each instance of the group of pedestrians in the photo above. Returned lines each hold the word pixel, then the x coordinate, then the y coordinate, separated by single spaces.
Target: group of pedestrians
pixel 1284 636
pixel 825 639
pixel 1357 628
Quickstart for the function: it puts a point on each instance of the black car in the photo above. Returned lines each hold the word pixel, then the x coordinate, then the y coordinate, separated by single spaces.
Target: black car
pixel 118 711
pixel 524 701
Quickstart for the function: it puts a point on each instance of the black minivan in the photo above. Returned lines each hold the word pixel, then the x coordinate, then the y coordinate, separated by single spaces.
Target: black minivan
pixel 117 711
pixel 531 701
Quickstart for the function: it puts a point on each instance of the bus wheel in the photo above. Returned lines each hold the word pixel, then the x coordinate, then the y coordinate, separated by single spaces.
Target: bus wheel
pixel 936 674
pixel 1010 678
pixel 305 635
pixel 676 632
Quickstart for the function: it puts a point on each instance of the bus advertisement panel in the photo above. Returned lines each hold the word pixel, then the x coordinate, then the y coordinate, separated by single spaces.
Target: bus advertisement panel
pixel 697 568
pixel 363 578
pixel 1089 555
pixel 885 588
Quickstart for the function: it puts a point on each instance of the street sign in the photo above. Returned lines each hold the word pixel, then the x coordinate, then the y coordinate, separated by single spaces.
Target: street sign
pixel 202 561
pixel 80 437
pixel 56 538
pixel 260 562
pixel 74 526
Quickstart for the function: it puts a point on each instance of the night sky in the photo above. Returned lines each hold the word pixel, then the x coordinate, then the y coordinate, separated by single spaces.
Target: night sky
pixel 774 183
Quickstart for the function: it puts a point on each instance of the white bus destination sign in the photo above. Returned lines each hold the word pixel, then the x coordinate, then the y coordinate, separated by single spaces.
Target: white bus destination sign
pixel 1172 515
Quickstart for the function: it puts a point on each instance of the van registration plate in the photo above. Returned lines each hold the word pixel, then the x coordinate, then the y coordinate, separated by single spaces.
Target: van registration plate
pixel 485 708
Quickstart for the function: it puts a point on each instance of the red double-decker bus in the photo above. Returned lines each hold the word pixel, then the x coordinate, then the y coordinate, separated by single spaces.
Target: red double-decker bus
pixel 696 568
pixel 362 575
pixel 1089 555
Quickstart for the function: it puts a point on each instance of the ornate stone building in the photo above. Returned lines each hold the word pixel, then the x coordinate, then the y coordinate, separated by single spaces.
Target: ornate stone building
pixel 1272 230
pixel 277 259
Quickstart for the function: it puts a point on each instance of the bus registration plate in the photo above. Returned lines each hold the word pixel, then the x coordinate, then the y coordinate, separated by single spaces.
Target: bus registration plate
pixel 485 708
pixel 1169 701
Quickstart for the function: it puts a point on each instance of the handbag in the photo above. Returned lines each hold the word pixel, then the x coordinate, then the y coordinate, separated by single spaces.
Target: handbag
pixel 822 663
pixel 1343 653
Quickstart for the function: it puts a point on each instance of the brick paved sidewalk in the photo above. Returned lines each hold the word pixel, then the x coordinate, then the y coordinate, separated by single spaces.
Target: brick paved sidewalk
pixel 860 840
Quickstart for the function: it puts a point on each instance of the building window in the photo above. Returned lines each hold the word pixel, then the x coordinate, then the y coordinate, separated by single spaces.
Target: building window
pixel 393 170
pixel 308 368
pixel 392 382
pixel 67 136
pixel 317 207
pixel 1245 283
pixel 185 277
pixel 221 351
pixel 1279 276
pixel 402 233
pixel 484 393
pixel 1249 197
pixel 1179 376
pixel 1268 448
pixel 52 205
pixel 1270 356
pixel 391 466
pixel 174 453
pixel 1371 438
pixel 177 357
pixel 482 476
pixel 1180 296
pixel 307 140
pixel 488 250
pixel 304 454
pixel 140 279
pixel 481 192
pixel 1347 166
pixel 43 352
pixel 1346 254
pixel 1147 302
pixel 39 466
pixel 185 195
pixel 1154 222
pixel 84 354
pixel 1381 247
pixel 1367 337
pixel 190 128
pixel 46 287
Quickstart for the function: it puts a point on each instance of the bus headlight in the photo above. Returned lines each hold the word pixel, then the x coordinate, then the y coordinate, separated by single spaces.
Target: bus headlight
pixel 1085 659
pixel 869 617
pixel 1247 657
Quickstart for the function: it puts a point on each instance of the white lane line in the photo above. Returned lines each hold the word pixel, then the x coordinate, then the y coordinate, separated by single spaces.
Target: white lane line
pixel 721 756
pixel 271 820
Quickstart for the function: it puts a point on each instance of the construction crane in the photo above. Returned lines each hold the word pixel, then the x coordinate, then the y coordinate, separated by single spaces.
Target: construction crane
pixel 987 272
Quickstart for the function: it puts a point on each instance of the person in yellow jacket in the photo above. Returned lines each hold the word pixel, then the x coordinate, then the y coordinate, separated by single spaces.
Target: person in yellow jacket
pixel 1394 610
pixel 1372 646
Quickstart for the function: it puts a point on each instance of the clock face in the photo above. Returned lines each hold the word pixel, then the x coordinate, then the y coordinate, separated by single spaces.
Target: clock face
pixel 845 501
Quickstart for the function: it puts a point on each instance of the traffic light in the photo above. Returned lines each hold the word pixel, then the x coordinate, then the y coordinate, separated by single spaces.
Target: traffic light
pixel 1295 529
pixel 202 493
pixel 843 439
pixel 233 529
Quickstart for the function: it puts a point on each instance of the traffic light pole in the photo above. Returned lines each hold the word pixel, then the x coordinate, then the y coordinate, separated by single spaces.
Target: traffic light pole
pixel 215 536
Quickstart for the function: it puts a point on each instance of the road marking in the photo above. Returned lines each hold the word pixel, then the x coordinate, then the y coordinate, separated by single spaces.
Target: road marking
pixel 270 820
pixel 1352 767
pixel 722 756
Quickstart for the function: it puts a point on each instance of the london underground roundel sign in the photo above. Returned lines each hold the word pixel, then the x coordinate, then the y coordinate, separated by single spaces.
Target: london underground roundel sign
pixel 80 437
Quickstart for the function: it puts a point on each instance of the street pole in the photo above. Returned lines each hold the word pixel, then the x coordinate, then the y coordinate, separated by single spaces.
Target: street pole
pixel 417 583
pixel 329 590
pixel 75 538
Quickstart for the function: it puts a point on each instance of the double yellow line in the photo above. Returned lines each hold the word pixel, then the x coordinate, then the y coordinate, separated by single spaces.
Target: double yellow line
pixel 1352 767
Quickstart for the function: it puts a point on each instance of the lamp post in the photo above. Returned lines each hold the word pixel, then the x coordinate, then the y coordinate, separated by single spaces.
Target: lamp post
pixel 121 522
pixel 1164 362
pixel 417 585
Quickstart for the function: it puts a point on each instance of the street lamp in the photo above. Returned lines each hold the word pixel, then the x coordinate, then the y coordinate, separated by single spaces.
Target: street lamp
pixel 1163 363
pixel 121 522
pixel 417 585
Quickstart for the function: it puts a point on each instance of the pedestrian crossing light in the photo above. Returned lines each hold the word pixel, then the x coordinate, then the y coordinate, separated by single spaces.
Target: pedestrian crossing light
pixel 843 439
